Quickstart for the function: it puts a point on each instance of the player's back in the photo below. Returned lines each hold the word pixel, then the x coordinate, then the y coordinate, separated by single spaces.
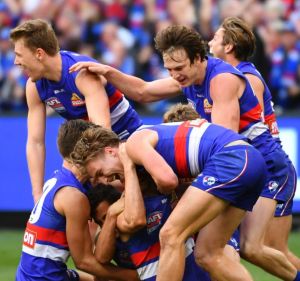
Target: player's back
pixel 187 146
pixel 45 248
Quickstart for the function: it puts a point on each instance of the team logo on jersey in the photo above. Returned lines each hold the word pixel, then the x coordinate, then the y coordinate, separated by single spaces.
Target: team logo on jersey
pixel 207 106
pixel 55 103
pixel 209 180
pixel 29 238
pixel 273 185
pixel 154 221
pixel 279 206
pixel 76 100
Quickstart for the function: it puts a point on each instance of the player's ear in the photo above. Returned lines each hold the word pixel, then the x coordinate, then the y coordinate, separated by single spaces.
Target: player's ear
pixel 228 48
pixel 39 54
pixel 110 150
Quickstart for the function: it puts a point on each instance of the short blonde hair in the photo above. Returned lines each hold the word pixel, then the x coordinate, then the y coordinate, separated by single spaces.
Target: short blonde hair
pixel 180 112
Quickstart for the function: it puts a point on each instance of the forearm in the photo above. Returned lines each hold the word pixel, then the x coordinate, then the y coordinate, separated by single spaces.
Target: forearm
pixel 140 90
pixel 130 86
pixel 134 212
pixel 106 243
pixel 107 271
pixel 36 166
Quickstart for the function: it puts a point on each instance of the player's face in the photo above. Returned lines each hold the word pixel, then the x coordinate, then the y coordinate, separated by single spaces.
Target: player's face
pixel 180 68
pixel 101 212
pixel 106 167
pixel 27 60
pixel 216 46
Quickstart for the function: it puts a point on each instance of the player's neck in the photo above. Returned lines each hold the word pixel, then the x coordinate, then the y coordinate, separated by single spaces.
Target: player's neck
pixel 53 68
pixel 71 167
pixel 232 60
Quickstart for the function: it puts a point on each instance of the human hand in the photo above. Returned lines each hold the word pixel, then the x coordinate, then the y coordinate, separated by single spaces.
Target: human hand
pixel 98 68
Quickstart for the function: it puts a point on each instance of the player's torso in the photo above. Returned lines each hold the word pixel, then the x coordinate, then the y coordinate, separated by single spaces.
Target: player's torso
pixel 45 248
pixel 66 99
pixel 143 247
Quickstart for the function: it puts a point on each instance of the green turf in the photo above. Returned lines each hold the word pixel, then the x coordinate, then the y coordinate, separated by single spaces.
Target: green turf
pixel 10 249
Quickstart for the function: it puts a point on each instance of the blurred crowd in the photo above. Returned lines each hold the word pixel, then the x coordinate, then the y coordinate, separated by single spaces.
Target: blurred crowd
pixel 120 33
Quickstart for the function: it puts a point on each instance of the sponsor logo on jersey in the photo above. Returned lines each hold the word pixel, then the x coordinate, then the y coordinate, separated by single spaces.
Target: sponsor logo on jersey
pixel 29 238
pixel 154 221
pixel 207 106
pixel 209 180
pixel 76 100
pixel 273 185
pixel 55 103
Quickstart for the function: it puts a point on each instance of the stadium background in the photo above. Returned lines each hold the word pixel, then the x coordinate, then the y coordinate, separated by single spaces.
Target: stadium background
pixel 120 33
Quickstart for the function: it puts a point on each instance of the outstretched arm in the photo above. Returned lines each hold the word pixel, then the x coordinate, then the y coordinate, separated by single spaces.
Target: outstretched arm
pixel 35 147
pixel 131 86
pixel 163 175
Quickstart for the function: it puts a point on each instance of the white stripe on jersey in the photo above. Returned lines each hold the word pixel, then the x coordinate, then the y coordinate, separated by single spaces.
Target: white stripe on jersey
pixel 193 148
pixel 150 270
pixel 119 111
pixel 255 130
pixel 47 252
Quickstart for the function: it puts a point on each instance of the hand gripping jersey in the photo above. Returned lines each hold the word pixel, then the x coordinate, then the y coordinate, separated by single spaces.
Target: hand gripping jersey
pixel 270 119
pixel 143 246
pixel 45 248
pixel 65 98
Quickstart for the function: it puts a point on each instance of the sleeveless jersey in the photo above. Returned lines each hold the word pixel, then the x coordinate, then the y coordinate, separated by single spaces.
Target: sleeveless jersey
pixel 65 98
pixel 144 248
pixel 45 248
pixel 251 123
pixel 269 114
pixel 187 146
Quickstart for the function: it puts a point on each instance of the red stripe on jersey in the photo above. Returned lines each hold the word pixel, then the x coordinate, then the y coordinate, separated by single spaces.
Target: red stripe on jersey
pixel 152 252
pixel 115 98
pixel 48 235
pixel 271 122
pixel 180 150
pixel 251 116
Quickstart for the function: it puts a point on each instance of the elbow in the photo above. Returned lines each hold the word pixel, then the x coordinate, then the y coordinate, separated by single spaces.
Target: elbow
pixel 136 223
pixel 167 184
pixel 141 96
pixel 83 264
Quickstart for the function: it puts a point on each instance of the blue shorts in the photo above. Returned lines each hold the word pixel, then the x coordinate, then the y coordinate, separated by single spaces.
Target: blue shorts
pixel 285 208
pixel 280 183
pixel 235 174
pixel 235 240
pixel 193 272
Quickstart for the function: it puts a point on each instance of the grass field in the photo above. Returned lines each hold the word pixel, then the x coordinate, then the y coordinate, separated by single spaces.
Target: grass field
pixel 10 250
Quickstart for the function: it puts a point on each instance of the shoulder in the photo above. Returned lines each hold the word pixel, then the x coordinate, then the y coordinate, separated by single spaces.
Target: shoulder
pixel 70 199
